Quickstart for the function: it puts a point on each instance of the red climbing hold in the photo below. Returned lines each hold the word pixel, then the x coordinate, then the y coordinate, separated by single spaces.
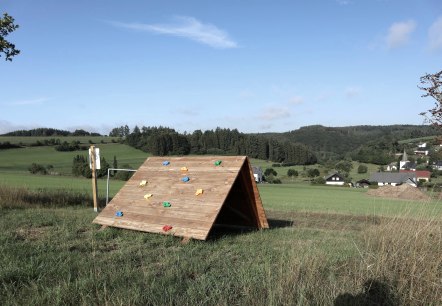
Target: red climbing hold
pixel 167 228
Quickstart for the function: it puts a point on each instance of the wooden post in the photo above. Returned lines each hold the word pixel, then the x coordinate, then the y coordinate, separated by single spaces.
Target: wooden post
pixel 94 179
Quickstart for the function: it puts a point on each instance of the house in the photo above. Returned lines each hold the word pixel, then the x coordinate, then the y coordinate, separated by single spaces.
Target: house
pixel 334 179
pixel 394 178
pixel 391 167
pixel 438 165
pixel 257 174
pixel 421 175
pixel 421 152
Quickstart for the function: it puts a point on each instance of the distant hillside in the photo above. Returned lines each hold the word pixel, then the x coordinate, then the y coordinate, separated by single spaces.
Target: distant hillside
pixel 49 132
pixel 338 142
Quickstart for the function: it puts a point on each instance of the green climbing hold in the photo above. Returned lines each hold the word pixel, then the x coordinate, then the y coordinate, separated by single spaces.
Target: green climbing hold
pixel 218 162
pixel 166 204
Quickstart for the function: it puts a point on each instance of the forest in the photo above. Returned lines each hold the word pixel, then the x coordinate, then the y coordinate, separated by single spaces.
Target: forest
pixel 304 146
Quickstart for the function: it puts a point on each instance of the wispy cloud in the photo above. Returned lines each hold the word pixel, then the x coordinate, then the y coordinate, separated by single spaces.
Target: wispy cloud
pixel 187 27
pixel 399 34
pixel 274 113
pixel 435 35
pixel 30 101
pixel 343 2
pixel 189 112
pixel 352 92
pixel 246 94
pixel 296 100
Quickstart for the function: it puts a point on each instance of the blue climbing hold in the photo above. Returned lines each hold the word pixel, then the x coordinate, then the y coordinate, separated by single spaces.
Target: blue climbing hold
pixel 185 179
pixel 166 162
pixel 119 214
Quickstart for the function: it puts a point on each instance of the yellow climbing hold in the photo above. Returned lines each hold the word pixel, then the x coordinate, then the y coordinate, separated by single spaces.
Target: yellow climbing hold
pixel 199 191
pixel 143 183
pixel 184 169
pixel 148 196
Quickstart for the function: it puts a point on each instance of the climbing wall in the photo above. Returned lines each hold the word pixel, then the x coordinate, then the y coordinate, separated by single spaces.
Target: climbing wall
pixel 187 196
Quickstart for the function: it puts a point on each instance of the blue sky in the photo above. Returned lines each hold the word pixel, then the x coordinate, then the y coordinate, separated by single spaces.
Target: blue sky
pixel 258 66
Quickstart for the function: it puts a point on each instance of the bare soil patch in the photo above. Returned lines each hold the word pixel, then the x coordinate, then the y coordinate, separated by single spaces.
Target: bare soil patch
pixel 403 192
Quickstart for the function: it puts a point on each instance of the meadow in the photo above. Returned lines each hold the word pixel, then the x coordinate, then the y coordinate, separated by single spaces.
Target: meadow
pixel 325 246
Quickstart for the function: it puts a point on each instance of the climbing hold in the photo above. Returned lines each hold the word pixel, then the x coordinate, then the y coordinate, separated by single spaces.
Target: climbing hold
pixel 148 196
pixel 143 183
pixel 167 228
pixel 218 162
pixel 119 214
pixel 185 179
pixel 166 162
pixel 199 191
pixel 166 204
pixel 184 169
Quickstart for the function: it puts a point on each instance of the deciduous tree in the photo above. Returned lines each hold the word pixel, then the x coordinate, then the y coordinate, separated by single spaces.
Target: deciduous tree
pixel 7 26
pixel 432 85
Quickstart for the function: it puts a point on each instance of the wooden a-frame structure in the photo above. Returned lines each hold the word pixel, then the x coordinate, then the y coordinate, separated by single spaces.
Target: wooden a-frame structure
pixel 187 197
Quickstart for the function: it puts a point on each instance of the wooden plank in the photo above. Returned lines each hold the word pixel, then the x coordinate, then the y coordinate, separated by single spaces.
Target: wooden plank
pixel 257 198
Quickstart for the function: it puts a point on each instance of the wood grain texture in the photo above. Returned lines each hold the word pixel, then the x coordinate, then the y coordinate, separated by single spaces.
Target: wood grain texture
pixel 190 215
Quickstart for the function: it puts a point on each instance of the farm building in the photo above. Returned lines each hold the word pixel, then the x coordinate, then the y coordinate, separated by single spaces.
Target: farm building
pixel 394 178
pixel 187 197
pixel 334 179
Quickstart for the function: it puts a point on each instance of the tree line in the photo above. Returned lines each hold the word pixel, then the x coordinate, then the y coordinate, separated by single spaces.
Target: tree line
pixel 50 132
pixel 163 141
pixel 368 144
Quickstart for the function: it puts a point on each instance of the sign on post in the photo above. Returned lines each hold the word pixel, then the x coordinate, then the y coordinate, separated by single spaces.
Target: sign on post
pixel 94 157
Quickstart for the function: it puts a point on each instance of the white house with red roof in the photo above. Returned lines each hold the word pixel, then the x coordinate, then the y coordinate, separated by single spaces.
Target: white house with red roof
pixel 420 174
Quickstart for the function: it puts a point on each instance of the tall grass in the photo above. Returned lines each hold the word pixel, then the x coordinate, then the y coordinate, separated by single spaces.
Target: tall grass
pixel 20 197
pixel 56 256
pixel 408 253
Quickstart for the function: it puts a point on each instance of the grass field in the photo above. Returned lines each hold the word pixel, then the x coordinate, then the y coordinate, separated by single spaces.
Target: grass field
pixel 18 160
pixel 55 255
pixel 325 246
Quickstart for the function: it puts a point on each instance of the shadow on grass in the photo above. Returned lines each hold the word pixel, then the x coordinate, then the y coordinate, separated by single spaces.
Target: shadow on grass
pixel 280 223
pixel 373 293
pixel 220 231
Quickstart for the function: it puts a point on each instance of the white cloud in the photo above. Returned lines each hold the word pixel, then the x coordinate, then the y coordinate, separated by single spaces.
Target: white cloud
pixel 187 27
pixel 296 100
pixel 399 33
pixel 189 112
pixel 435 35
pixel 246 94
pixel 343 2
pixel 352 92
pixel 29 102
pixel 274 113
